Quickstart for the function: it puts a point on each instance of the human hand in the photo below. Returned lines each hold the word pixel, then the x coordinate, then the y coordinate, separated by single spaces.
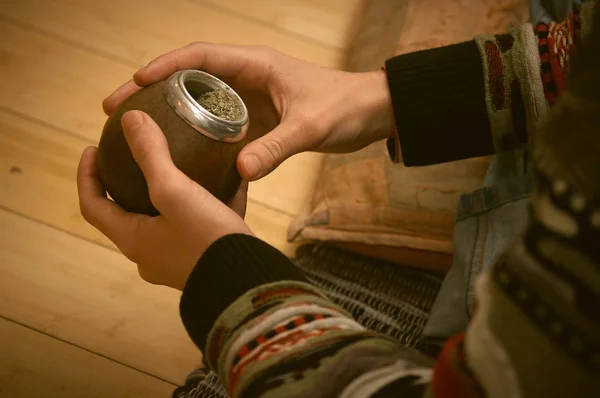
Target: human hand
pixel 294 106
pixel 167 247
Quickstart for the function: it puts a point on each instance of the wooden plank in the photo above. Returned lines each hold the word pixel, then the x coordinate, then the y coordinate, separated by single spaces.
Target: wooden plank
pixel 38 167
pixel 37 175
pixel 138 31
pixel 291 186
pixel 55 82
pixel 63 85
pixel 271 226
pixel 327 22
pixel 90 296
pixel 35 365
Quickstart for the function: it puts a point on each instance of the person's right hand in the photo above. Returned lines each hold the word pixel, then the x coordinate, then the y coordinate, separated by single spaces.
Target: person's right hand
pixel 294 106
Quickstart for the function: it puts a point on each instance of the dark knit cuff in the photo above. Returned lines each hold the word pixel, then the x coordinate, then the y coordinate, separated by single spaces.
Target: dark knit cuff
pixel 393 147
pixel 439 103
pixel 229 268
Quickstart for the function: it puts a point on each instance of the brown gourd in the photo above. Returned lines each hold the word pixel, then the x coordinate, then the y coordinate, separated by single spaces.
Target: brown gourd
pixel 201 144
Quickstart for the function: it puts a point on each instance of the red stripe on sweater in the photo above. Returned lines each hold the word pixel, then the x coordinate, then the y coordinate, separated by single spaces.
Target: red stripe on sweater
pixel 452 376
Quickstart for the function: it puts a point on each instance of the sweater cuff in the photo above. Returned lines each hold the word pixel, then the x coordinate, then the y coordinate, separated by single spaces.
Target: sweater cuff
pixel 229 268
pixel 439 103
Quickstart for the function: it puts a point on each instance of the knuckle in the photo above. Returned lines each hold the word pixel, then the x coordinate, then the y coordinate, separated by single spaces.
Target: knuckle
pixel 309 125
pixel 275 149
pixel 196 44
pixel 263 49
pixel 140 150
pixel 266 54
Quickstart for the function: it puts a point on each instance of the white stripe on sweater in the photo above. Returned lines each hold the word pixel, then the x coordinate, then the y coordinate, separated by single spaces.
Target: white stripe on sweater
pixel 369 383
pixel 267 323
pixel 329 323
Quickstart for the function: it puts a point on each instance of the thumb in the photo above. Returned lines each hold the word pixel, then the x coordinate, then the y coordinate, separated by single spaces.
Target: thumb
pixel 262 156
pixel 151 152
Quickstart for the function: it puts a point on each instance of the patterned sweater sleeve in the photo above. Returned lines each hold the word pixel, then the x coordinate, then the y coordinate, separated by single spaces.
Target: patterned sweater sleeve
pixel 482 96
pixel 268 333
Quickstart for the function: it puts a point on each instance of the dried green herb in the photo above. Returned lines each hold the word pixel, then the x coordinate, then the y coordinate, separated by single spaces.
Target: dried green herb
pixel 221 104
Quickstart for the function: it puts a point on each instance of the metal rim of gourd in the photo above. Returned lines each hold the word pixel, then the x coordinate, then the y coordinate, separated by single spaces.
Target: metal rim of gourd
pixel 185 86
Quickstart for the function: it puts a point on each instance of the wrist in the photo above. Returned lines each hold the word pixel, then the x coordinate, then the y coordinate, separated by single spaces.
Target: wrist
pixel 210 288
pixel 378 107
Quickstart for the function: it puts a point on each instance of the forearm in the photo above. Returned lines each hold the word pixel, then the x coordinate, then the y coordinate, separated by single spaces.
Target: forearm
pixel 267 332
pixel 483 96
pixel 437 98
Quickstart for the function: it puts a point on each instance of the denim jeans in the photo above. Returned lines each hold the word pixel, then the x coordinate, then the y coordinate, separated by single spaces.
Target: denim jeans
pixel 488 220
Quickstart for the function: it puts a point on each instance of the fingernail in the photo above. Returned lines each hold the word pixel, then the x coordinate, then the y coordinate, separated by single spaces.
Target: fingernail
pixel 132 119
pixel 252 165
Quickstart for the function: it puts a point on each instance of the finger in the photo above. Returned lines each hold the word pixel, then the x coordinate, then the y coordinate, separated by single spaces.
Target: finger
pixel 249 65
pixel 151 152
pixel 119 95
pixel 240 200
pixel 104 214
pixel 148 146
pixel 263 155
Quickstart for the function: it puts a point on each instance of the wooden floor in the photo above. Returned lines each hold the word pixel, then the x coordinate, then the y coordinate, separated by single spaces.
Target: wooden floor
pixel 75 319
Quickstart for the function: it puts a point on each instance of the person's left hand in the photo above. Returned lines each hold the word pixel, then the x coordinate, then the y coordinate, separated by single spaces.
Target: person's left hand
pixel 167 247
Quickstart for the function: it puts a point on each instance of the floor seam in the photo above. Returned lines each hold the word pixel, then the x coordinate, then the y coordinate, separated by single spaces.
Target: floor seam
pixel 85 349
pixel 258 21
pixel 65 40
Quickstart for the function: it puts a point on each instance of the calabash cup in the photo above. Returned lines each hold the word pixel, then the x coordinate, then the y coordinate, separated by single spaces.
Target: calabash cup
pixel 202 145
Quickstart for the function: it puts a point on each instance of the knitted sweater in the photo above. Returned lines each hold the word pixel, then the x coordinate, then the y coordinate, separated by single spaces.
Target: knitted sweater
pixel 267 332
pixel 481 96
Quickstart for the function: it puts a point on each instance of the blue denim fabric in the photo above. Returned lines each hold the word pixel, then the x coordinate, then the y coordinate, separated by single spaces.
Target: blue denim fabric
pixel 550 10
pixel 488 220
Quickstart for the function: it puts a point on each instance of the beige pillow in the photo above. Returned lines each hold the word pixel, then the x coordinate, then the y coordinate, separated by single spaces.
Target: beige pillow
pixel 365 198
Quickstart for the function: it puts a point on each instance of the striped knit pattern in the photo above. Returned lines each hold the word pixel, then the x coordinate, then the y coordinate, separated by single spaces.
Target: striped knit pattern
pixel 524 72
pixel 202 383
pixel 381 296
pixel 547 286
pixel 556 42
pixel 283 329
pixel 453 377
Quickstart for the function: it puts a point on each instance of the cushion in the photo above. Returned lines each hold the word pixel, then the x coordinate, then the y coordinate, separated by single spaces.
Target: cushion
pixel 363 201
